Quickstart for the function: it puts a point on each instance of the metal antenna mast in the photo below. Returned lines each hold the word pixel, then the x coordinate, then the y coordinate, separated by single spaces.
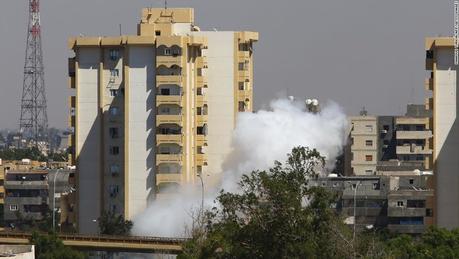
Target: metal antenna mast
pixel 33 123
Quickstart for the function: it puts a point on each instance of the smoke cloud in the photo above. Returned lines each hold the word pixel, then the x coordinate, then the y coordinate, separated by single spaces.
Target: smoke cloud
pixel 259 139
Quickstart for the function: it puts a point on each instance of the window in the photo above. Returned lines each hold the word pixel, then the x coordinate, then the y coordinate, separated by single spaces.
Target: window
pixel 158 33
pixel 429 54
pixel 352 156
pixel 241 107
pixel 114 111
pixel 201 130
pixel 375 186
pixel 13 207
pixel 242 66
pixel 114 150
pixel 368 171
pixel 167 52
pixel 113 190
pixel 199 91
pixel 199 111
pixel 165 110
pixel 114 92
pixel 368 158
pixel 115 170
pixel 429 212
pixel 114 54
pixel 114 72
pixel 351 141
pixel 411 181
pixel 368 143
pixel 416 203
pixel 241 86
pixel 369 128
pixel 400 204
pixel 114 133
pixel 165 91
pixel 199 71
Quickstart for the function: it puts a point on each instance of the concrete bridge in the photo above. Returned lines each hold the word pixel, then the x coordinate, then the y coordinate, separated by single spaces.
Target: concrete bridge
pixel 106 243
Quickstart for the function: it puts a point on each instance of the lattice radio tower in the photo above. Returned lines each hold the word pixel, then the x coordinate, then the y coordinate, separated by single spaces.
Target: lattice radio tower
pixel 34 118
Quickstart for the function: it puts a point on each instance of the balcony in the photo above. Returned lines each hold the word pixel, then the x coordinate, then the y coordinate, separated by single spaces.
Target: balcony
pixel 170 79
pixel 429 63
pixel 201 159
pixel 168 139
pixel 168 61
pixel 243 75
pixel 201 62
pixel 428 83
pixel 407 229
pixel 201 81
pixel 406 212
pixel 71 82
pixel 168 119
pixel 429 104
pixel 71 67
pixel 72 101
pixel 243 55
pixel 167 178
pixel 201 119
pixel 26 200
pixel 24 185
pixel 244 94
pixel 200 140
pixel 169 99
pixel 200 100
pixel 413 150
pixel 171 158
pixel 72 120
pixel 424 134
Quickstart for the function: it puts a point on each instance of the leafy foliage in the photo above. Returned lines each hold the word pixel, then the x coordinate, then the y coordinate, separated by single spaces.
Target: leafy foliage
pixel 51 247
pixel 18 154
pixel 114 224
pixel 276 215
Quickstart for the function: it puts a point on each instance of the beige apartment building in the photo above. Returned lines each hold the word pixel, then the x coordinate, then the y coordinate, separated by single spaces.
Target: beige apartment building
pixel 364 145
pixel 155 110
pixel 444 103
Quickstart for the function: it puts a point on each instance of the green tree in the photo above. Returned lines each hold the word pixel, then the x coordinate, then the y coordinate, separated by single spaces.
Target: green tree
pixel 277 214
pixel 49 246
pixel 114 224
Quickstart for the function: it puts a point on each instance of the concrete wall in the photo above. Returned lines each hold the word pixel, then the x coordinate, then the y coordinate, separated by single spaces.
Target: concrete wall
pixel 142 125
pixel 446 139
pixel 220 95
pixel 88 138
pixel 364 128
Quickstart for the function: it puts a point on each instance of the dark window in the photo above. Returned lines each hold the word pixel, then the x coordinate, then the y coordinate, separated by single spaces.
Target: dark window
pixel 429 54
pixel 114 133
pixel 199 91
pixel 368 143
pixel 429 212
pixel 241 86
pixel 241 106
pixel 114 54
pixel 158 33
pixel 415 203
pixel 115 150
pixel 368 158
pixel 165 91
pixel 411 181
pixel 199 110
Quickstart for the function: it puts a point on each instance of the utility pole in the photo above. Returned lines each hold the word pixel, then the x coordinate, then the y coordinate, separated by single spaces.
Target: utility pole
pixel 33 123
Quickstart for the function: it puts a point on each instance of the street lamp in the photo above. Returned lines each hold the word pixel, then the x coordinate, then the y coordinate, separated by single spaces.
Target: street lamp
pixel 355 204
pixel 54 199
pixel 202 193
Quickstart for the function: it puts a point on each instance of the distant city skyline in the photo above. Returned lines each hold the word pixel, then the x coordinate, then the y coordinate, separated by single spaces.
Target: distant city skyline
pixel 356 53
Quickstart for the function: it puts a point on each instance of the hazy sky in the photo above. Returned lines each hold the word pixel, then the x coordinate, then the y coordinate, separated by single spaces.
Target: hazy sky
pixel 356 52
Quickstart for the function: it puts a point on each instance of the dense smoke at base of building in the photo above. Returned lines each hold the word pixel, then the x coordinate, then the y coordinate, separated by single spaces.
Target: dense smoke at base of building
pixel 259 139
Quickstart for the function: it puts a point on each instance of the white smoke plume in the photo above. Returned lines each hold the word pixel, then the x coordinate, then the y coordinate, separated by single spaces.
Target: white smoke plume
pixel 259 139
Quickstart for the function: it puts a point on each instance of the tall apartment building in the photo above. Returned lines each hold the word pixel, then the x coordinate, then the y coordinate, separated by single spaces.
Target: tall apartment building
pixel 374 139
pixel 154 110
pixel 444 84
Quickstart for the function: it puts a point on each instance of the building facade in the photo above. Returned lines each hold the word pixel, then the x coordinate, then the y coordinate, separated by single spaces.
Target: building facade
pixel 444 84
pixel 155 110
pixel 376 139
pixel 398 203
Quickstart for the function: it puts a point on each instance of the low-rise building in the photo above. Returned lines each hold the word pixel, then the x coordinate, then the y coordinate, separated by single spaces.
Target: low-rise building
pixel 30 195
pixel 401 204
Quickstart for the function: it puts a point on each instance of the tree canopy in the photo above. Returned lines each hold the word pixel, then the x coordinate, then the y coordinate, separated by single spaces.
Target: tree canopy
pixel 111 223
pixel 49 246
pixel 278 214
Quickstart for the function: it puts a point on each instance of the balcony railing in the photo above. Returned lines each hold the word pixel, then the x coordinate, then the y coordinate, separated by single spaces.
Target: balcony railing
pixel 406 212
pixel 168 61
pixel 168 79
pixel 166 178
pixel 168 139
pixel 171 158
pixel 408 229
pixel 169 99
pixel 414 150
pixel 168 119
pixel 424 134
